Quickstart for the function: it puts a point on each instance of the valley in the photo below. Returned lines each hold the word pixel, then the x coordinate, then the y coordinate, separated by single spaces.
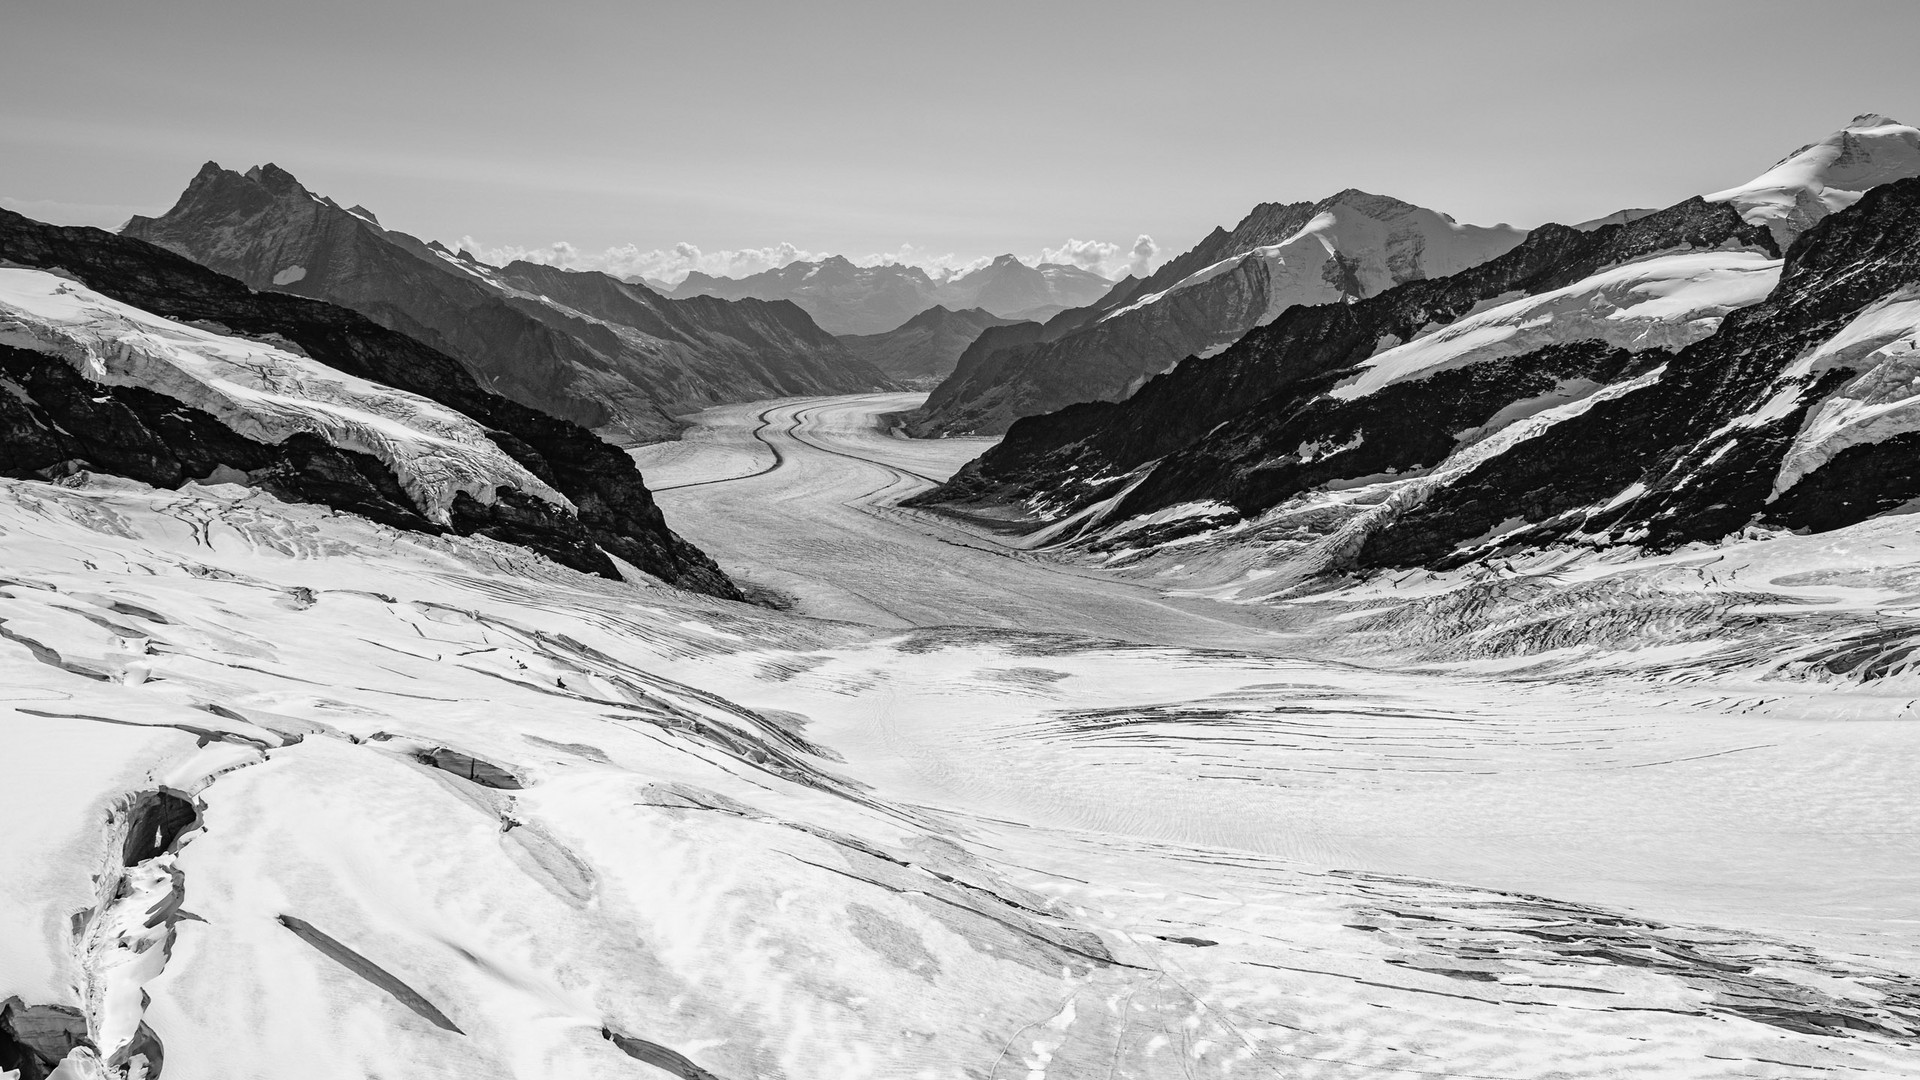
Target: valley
pixel 748 573
pixel 800 496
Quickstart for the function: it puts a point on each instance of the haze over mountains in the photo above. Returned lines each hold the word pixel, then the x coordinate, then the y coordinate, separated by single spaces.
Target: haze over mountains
pixel 581 345
pixel 859 300
pixel 924 349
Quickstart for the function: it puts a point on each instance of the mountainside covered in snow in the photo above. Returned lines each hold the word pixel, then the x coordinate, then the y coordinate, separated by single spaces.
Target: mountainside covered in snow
pixel 1829 175
pixel 862 300
pixel 1063 462
pixel 1658 382
pixel 924 348
pixel 1343 248
pixel 120 358
pixel 583 346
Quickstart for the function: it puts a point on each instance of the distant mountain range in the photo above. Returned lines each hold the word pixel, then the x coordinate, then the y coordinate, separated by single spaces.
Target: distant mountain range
pixel 923 350
pixel 1343 248
pixel 859 300
pixel 580 345
pixel 1743 360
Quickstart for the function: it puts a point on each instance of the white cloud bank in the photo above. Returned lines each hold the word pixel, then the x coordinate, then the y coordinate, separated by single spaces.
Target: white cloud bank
pixel 673 264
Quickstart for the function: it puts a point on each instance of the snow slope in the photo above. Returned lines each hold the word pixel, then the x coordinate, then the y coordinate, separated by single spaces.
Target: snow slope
pixel 1826 176
pixel 1666 302
pixel 1882 401
pixel 458 813
pixel 260 390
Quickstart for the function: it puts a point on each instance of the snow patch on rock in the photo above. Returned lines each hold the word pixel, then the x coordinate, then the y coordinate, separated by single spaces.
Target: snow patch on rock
pixel 1665 302
pixel 261 391
pixel 1882 343
pixel 290 275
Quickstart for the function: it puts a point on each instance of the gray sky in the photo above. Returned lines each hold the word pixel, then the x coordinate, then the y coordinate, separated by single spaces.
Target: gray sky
pixel 971 128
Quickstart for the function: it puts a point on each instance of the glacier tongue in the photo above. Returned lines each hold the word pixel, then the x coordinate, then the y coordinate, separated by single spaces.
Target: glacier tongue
pixel 262 391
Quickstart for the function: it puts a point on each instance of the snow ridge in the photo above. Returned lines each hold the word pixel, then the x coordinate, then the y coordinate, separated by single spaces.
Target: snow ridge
pixel 261 391
pixel 1665 302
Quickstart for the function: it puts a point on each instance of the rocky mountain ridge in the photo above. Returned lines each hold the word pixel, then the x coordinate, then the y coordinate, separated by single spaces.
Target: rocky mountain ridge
pixel 582 346
pixel 1659 380
pixel 120 357
pixel 1342 248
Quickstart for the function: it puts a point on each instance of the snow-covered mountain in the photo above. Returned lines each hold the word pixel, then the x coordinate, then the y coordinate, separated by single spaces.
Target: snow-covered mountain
pixel 854 300
pixel 924 349
pixel 1346 247
pixel 122 359
pixel 1658 380
pixel 583 346
pixel 1829 175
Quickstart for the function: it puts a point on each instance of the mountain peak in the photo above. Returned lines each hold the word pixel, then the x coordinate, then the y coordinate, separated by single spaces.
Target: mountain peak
pixel 276 179
pixel 1827 176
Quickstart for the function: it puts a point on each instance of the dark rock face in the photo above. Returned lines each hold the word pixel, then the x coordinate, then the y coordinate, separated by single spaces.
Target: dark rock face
pixel 582 346
pixel 1697 440
pixel 1225 427
pixel 137 433
pixel 34 1039
pixel 926 347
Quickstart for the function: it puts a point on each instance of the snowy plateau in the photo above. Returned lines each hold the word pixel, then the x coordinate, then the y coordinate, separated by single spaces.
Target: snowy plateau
pixel 1169 793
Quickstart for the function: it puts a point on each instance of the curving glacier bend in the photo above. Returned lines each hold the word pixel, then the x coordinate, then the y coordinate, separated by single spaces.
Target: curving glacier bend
pixel 322 798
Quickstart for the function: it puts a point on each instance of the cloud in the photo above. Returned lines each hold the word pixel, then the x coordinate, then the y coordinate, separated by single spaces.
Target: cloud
pixel 672 265
pixel 630 261
pixel 1140 259
pixel 1105 259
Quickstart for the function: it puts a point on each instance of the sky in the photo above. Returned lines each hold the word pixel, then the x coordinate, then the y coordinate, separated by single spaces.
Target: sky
pixel 659 137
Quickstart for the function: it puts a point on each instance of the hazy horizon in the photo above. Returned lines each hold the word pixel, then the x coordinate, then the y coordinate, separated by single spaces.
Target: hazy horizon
pixel 730 139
